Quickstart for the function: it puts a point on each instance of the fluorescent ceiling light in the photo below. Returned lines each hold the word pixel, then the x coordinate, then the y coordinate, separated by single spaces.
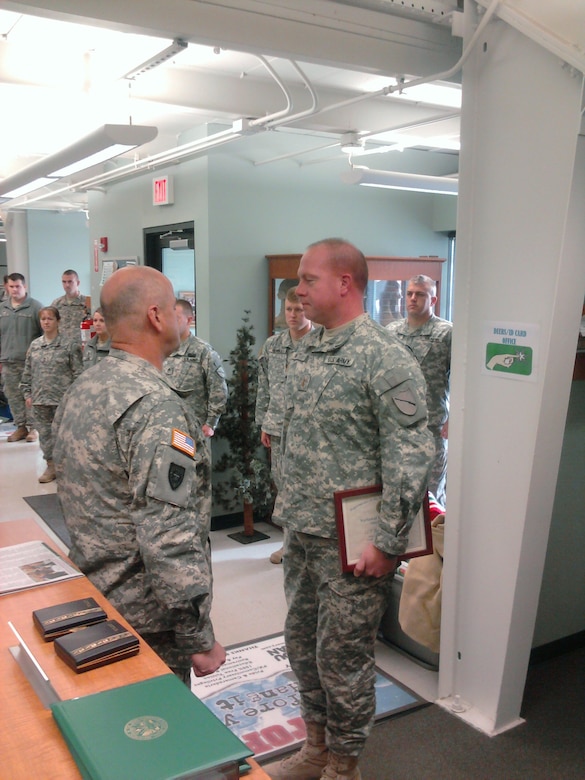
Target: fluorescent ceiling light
pixel 395 180
pixel 103 144
pixel 30 187
pixel 176 46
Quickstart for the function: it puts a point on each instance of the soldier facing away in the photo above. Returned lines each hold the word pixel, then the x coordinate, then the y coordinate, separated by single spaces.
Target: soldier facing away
pixel 134 479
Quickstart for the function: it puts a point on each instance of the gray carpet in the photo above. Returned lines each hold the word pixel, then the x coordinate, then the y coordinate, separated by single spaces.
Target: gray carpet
pixel 48 508
pixel 431 744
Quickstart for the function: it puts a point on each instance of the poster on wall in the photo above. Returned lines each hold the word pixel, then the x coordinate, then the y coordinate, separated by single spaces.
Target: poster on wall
pixel 511 350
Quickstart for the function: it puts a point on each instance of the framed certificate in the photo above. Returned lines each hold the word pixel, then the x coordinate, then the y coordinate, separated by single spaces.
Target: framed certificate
pixel 356 514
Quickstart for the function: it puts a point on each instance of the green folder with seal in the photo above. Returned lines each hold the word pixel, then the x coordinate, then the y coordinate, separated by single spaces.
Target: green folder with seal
pixel 153 730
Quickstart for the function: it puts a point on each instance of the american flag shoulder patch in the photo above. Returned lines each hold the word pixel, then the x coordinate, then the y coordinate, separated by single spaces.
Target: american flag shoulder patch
pixel 183 442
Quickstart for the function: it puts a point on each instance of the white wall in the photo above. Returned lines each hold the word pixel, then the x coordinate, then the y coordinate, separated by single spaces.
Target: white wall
pixel 56 243
pixel 242 212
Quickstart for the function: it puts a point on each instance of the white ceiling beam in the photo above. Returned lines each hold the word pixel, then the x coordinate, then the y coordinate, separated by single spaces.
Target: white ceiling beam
pixel 310 30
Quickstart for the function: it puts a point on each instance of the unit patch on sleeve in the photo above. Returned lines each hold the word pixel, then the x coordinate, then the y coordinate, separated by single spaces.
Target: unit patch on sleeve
pixel 183 442
pixel 176 475
pixel 405 401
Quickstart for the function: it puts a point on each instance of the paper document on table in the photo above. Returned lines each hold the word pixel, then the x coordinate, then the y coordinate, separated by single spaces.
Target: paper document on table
pixel 31 564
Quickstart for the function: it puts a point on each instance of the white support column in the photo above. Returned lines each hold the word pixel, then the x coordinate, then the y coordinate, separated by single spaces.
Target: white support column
pixel 520 238
pixel 17 243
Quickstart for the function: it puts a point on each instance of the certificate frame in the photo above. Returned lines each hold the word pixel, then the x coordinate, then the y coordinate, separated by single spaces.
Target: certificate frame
pixel 356 517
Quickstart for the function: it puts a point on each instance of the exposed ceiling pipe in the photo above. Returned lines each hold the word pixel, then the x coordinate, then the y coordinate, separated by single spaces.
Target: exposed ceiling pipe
pixel 186 150
pixel 364 137
pixel 131 169
pixel 443 76
pixel 294 117
pixel 291 155
pixel 446 74
pixel 239 128
pixel 276 77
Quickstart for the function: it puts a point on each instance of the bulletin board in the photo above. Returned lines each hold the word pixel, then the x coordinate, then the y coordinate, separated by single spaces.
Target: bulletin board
pixel 113 264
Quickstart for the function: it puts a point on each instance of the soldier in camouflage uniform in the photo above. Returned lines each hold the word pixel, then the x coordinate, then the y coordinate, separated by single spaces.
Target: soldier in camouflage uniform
pixel 19 326
pixel 98 347
pixel 72 306
pixel 356 416
pixel 195 369
pixel 133 476
pixel 273 361
pixel 52 364
pixel 429 337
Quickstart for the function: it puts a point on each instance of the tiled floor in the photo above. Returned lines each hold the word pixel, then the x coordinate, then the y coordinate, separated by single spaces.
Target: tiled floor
pixel 248 596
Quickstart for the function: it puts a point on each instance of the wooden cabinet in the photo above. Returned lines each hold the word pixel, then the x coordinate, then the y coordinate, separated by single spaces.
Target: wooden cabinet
pixel 384 299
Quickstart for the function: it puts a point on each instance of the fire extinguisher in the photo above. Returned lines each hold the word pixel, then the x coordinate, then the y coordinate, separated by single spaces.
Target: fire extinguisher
pixel 87 331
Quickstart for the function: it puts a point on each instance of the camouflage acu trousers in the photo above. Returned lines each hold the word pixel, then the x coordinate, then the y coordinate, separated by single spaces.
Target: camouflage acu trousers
pixel 11 376
pixel 275 459
pixel 438 475
pixel 43 416
pixel 330 632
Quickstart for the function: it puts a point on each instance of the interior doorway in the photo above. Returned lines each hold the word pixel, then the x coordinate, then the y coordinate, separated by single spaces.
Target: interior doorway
pixel 171 250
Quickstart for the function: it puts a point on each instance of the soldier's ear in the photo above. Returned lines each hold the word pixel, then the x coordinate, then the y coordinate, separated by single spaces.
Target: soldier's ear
pixel 154 318
pixel 345 283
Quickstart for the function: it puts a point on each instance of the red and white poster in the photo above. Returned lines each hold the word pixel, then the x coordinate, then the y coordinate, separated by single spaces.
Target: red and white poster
pixel 255 694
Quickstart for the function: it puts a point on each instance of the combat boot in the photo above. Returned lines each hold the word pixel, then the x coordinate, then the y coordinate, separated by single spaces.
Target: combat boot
pixel 308 763
pixel 49 473
pixel 341 768
pixel 19 434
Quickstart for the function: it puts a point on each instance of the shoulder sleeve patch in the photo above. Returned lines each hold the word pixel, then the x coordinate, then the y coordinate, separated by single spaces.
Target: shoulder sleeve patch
pixel 405 400
pixel 173 479
pixel 402 396
pixel 183 442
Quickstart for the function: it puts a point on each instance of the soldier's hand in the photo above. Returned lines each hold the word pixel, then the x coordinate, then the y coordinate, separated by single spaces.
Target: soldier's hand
pixel 208 662
pixel 208 431
pixel 374 563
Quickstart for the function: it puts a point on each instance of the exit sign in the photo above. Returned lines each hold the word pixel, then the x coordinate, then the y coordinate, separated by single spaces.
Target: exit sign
pixel 162 191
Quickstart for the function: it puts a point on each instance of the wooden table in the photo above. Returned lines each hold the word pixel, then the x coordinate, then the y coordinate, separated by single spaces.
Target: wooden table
pixel 31 745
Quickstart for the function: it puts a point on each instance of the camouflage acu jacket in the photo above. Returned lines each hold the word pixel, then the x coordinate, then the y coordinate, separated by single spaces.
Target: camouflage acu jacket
pixel 133 476
pixel 94 351
pixel 355 417
pixel 72 312
pixel 49 369
pixel 431 345
pixel 195 369
pixel 273 363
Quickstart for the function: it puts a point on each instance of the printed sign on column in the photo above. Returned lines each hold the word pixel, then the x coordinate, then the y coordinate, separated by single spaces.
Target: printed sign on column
pixel 511 350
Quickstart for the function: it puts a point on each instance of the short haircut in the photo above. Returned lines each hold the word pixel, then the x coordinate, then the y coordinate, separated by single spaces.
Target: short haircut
pixel 53 309
pixel 69 272
pixel 344 256
pixel 426 281
pixel 16 277
pixel 291 295
pixel 185 305
pixel 6 278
